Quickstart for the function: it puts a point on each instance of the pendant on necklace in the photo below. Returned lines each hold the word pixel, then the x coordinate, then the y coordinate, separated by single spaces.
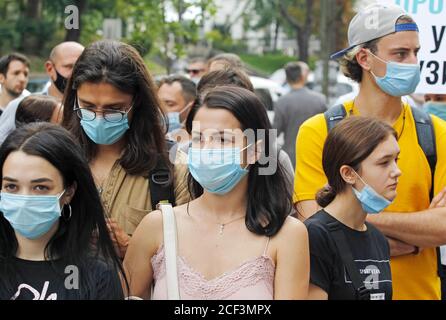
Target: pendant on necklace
pixel 222 226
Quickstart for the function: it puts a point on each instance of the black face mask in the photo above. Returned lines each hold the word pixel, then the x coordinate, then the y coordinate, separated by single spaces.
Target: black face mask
pixel 61 82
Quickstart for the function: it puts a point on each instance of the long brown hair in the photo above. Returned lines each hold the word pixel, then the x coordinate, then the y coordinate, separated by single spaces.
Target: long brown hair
pixel 120 65
pixel 349 143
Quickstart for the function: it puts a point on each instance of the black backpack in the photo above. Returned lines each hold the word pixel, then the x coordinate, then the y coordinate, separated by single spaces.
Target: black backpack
pixel 161 180
pixel 426 140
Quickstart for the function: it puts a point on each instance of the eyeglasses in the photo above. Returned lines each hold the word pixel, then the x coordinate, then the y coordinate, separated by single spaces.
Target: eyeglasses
pixel 193 71
pixel 109 115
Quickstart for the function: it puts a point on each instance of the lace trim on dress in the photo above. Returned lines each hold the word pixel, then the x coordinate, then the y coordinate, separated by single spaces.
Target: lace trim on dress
pixel 195 284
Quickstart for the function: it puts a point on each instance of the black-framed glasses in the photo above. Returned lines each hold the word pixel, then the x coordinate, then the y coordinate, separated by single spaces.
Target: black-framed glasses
pixel 109 115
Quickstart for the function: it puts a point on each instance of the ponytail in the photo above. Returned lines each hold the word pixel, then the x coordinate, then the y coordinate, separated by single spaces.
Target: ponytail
pixel 325 196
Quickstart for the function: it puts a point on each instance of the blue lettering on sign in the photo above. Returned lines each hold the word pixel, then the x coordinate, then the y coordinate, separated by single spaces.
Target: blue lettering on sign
pixel 412 6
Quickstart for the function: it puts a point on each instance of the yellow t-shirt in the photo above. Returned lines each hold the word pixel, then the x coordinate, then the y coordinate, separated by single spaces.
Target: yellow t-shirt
pixel 414 276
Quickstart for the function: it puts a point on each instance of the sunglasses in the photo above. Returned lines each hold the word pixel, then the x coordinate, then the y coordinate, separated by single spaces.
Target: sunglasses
pixel 193 71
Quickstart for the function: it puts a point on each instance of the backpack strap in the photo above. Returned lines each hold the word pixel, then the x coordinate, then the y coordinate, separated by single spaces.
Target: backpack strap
pixel 362 293
pixel 334 115
pixel 161 181
pixel 426 140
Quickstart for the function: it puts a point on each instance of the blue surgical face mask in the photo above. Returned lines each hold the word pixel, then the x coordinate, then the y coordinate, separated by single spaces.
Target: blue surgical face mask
pixel 371 201
pixel 29 215
pixel 173 120
pixel 216 170
pixel 101 131
pixel 401 79
pixel 436 108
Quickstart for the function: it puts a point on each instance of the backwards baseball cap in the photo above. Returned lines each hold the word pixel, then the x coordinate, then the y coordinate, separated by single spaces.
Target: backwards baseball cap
pixel 373 22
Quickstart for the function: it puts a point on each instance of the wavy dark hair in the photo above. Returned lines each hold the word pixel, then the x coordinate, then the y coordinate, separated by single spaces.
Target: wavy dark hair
pixel 269 198
pixel 120 65
pixel 349 143
pixel 72 244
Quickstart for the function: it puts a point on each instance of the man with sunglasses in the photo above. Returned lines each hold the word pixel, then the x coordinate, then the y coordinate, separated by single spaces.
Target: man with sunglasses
pixel 196 68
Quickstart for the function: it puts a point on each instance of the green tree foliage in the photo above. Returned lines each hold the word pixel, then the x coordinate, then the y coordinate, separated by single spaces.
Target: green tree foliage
pixel 160 26
pixel 300 19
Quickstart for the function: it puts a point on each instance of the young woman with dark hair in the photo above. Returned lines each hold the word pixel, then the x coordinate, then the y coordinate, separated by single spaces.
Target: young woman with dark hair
pixel 350 257
pixel 111 106
pixel 236 78
pixel 236 240
pixel 54 242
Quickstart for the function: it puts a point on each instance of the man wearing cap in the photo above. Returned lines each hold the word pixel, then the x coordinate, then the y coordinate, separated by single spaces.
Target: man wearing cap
pixel 382 58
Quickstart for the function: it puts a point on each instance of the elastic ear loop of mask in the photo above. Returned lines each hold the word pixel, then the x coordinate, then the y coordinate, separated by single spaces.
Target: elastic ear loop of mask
pixel 247 165
pixel 369 51
pixel 365 184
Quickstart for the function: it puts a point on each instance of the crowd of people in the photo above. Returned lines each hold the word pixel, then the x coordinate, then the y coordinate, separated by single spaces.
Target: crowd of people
pixel 132 188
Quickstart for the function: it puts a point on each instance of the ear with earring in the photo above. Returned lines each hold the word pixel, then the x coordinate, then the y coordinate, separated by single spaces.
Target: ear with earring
pixel 67 218
pixel 348 174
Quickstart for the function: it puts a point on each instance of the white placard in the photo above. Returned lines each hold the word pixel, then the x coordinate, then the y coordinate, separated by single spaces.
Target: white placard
pixel 430 16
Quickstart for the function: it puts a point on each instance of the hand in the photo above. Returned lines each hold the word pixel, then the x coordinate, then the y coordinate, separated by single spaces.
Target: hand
pixel 119 237
pixel 439 200
pixel 400 248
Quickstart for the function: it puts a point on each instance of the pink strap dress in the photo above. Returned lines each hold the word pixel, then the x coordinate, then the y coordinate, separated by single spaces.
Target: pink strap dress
pixel 252 280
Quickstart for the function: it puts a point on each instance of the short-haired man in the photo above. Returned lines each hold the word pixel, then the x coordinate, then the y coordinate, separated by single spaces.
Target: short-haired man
pixel 383 58
pixel 295 107
pixel 14 76
pixel 59 67
pixel 177 94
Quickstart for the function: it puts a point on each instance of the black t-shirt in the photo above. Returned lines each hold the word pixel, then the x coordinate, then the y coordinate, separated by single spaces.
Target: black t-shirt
pixel 369 249
pixel 45 280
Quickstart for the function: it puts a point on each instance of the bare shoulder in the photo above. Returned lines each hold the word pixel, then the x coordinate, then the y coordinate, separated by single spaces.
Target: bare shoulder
pixel 150 228
pixel 292 230
pixel 153 220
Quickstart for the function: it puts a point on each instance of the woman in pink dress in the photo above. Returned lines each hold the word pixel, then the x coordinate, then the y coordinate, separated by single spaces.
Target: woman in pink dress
pixel 236 240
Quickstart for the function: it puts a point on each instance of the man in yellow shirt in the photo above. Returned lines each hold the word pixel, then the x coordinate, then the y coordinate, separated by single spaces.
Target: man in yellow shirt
pixel 382 57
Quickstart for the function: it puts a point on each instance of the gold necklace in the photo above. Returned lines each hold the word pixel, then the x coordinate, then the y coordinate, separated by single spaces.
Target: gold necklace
pixel 222 225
